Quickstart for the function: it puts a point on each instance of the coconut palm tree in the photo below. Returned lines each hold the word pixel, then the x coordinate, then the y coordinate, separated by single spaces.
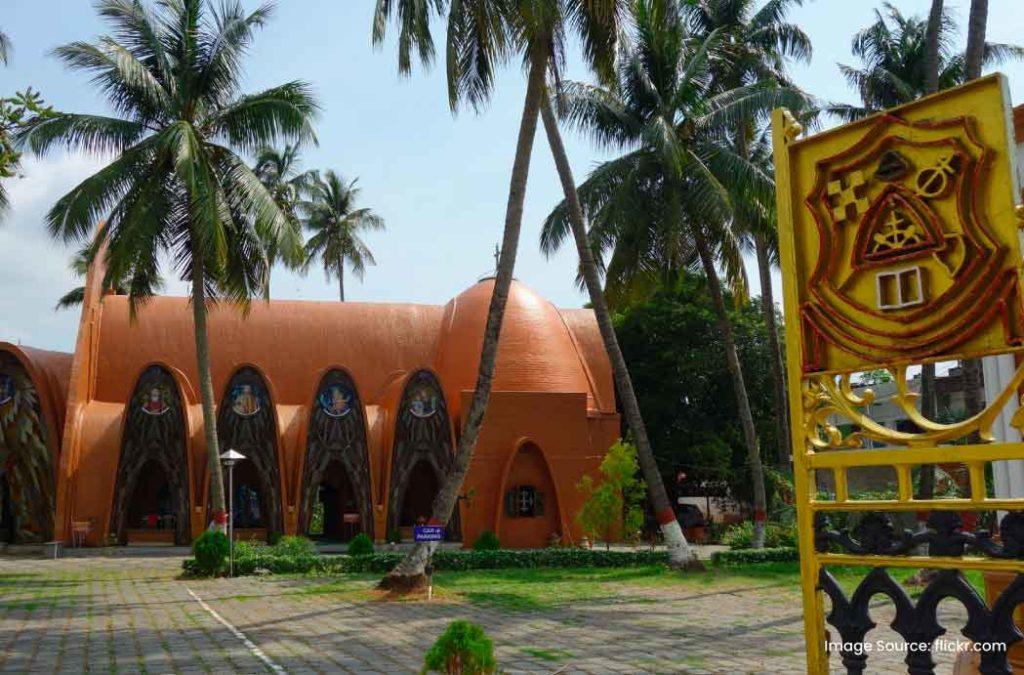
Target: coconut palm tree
pixel 336 224
pixel 669 201
pixel 80 263
pixel 894 52
pixel 758 41
pixel 480 36
pixel 977 23
pixel 177 186
pixel 278 170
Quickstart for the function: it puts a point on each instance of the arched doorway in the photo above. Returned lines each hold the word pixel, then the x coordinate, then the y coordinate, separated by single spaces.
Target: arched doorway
pixel 421 458
pixel 6 512
pixel 418 500
pixel 151 500
pixel 336 475
pixel 529 515
pixel 335 515
pixel 246 424
pixel 26 465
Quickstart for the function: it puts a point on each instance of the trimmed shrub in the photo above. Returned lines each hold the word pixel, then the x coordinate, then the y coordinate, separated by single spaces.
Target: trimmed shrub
pixel 269 558
pixel 463 649
pixel 775 536
pixel 360 545
pixel 749 556
pixel 210 550
pixel 487 541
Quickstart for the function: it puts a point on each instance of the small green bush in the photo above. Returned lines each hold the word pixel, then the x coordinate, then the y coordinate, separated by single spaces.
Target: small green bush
pixel 293 546
pixel 210 550
pixel 749 556
pixel 360 545
pixel 487 541
pixel 273 538
pixel 775 536
pixel 463 649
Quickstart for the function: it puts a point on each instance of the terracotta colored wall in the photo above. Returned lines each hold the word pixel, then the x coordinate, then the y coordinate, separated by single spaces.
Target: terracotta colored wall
pixel 572 442
pixel 529 468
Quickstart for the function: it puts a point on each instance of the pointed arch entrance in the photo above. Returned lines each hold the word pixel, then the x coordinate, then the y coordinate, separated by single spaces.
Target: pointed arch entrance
pixel 246 424
pixel 151 500
pixel 422 456
pixel 27 484
pixel 336 475
pixel 530 516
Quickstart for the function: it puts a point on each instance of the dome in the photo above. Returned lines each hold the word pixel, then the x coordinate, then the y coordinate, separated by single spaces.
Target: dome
pixel 536 353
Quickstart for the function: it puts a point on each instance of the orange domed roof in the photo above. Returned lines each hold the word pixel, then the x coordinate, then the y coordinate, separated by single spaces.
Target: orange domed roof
pixel 537 351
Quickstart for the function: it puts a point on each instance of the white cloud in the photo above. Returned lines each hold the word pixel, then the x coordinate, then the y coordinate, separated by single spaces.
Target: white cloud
pixel 34 269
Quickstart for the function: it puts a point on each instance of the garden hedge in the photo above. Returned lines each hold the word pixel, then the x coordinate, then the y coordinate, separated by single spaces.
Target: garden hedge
pixel 747 556
pixel 251 558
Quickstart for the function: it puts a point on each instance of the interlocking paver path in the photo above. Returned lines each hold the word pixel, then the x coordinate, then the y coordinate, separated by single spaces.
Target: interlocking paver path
pixel 135 615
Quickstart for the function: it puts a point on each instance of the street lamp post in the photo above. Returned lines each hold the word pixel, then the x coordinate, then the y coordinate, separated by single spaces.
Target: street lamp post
pixel 230 458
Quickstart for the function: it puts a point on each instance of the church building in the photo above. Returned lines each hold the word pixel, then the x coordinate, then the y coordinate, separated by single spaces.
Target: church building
pixel 348 415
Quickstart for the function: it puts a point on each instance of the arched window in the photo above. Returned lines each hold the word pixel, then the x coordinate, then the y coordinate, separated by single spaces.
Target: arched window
pixel 336 475
pixel 422 457
pixel 151 501
pixel 530 517
pixel 245 423
pixel 27 494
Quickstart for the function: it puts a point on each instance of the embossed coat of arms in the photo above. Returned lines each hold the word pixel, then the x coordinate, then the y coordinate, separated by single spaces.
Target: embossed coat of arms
pixel 905 234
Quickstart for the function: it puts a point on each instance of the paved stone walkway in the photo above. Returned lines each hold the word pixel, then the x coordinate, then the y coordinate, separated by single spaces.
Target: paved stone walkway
pixel 134 615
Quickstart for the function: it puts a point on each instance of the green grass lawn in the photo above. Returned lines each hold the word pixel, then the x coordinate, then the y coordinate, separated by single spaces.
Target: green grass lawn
pixel 527 590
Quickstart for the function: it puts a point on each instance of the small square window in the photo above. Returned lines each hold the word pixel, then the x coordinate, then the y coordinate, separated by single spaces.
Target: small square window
pixel 903 288
pixel 524 501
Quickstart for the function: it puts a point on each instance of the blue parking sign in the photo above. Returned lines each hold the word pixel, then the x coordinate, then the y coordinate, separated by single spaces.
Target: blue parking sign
pixel 428 533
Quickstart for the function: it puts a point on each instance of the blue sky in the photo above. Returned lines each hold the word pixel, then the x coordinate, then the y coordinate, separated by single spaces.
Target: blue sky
pixel 439 180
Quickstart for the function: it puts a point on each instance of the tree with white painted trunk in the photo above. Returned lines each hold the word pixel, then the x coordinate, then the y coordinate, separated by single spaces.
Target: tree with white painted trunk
pixel 674 191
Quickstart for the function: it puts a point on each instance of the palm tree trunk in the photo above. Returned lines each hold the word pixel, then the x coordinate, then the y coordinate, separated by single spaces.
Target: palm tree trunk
pixel 764 270
pixel 678 548
pixel 976 27
pixel 409 573
pixel 206 393
pixel 341 278
pixel 742 401
pixel 929 407
pixel 931 48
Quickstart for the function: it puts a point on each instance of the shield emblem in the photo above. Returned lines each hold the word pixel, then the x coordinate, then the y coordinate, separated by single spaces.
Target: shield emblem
pixel 908 252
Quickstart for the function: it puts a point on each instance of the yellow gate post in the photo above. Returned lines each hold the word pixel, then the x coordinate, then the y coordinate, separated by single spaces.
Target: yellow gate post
pixel 899 241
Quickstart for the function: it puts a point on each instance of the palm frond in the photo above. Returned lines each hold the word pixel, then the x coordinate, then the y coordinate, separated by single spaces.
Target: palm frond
pixel 283 113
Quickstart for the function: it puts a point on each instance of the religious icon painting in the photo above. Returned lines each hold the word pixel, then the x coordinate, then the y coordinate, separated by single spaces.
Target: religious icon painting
pixel 6 389
pixel 902 235
pixel 155 400
pixel 336 400
pixel 244 400
pixel 423 401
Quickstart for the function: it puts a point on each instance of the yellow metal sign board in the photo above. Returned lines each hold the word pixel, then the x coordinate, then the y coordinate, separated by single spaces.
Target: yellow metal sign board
pixel 899 241
pixel 904 233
